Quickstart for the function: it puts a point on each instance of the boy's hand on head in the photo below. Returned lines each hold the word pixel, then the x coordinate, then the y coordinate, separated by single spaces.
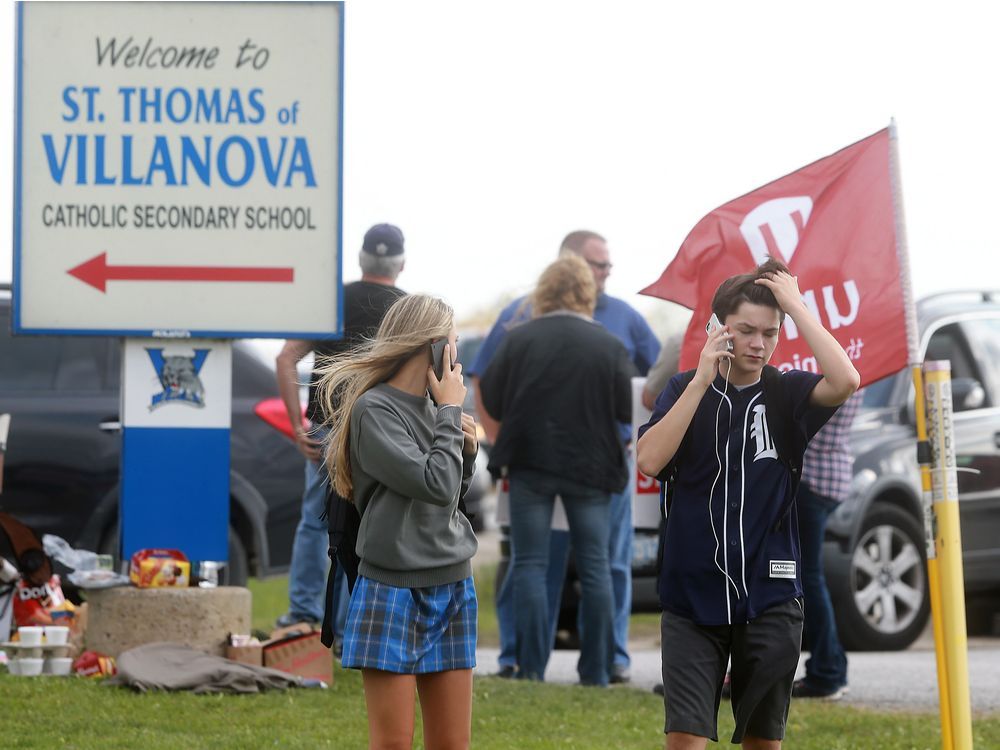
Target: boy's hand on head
pixel 785 288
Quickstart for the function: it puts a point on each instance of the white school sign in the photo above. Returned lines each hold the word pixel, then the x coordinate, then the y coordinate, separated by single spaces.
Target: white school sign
pixel 178 169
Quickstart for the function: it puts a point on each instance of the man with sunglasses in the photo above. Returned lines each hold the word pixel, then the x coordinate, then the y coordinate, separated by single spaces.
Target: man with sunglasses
pixel 643 347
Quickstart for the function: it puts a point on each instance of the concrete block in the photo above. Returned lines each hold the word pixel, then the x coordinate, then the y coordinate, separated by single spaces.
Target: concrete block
pixel 124 617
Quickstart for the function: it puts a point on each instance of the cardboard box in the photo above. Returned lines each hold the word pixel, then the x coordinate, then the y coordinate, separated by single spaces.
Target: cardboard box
pixel 300 654
pixel 156 568
pixel 252 654
pixel 296 650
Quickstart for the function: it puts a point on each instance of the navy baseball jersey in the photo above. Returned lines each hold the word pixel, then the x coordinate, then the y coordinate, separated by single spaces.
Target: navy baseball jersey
pixel 731 549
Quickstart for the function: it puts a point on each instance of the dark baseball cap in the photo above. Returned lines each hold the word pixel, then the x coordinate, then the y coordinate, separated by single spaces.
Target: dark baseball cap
pixel 383 240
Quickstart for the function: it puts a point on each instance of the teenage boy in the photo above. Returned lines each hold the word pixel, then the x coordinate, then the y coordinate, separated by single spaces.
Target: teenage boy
pixel 730 581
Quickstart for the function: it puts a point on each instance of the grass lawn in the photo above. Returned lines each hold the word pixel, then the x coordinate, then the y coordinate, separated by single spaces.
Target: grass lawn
pixel 80 713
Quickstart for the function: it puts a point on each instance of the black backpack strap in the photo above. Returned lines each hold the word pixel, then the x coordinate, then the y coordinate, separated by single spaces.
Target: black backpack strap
pixel 343 523
pixel 326 636
pixel 334 525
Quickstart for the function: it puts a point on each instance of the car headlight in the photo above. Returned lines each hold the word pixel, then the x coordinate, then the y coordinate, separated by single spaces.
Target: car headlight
pixel 862 482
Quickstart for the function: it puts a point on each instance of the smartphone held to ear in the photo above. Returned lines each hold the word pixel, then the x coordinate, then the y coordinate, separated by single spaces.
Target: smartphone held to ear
pixel 714 324
pixel 440 353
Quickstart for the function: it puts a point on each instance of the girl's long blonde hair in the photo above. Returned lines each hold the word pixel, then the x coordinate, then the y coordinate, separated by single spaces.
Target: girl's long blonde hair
pixel 410 325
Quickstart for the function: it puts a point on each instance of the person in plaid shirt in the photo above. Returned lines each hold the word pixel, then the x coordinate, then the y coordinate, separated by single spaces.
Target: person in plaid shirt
pixel 826 480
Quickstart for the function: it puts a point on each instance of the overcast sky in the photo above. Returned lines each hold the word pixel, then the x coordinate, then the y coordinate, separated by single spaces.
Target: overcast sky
pixel 486 131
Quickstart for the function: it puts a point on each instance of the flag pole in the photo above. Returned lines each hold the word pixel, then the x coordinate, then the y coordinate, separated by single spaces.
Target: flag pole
pixel 902 247
pixel 924 458
pixel 923 445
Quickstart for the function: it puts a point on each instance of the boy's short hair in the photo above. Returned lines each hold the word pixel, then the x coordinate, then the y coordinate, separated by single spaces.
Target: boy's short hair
pixel 736 290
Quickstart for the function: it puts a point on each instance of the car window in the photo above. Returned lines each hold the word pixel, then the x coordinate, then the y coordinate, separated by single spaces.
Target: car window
pixel 43 363
pixel 985 337
pixel 253 375
pixel 113 376
pixel 876 395
pixel 948 343
pixel 27 363
pixel 82 361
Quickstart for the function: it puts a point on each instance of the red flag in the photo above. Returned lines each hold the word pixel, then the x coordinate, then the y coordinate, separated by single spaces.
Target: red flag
pixel 832 223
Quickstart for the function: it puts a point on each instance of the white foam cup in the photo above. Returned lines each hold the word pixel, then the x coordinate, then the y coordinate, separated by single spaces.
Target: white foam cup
pixel 30 635
pixel 31 667
pixel 56 635
pixel 58 666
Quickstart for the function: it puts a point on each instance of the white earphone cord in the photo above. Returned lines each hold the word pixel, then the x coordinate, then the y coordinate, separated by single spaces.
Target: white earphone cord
pixel 711 496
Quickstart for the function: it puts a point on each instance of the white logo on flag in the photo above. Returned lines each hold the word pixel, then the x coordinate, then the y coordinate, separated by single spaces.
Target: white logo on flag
pixel 760 433
pixel 775 227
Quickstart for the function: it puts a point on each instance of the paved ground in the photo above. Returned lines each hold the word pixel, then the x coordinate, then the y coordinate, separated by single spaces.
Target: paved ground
pixel 900 680
pixel 903 680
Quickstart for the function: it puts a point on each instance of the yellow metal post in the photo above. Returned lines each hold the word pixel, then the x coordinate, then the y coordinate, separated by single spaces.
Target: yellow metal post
pixel 933 574
pixel 948 544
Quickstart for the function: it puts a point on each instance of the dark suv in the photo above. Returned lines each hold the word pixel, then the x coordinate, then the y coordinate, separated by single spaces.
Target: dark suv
pixel 62 461
pixel 875 557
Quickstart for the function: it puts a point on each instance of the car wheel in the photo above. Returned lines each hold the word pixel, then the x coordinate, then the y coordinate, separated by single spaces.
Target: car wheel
pixel 879 589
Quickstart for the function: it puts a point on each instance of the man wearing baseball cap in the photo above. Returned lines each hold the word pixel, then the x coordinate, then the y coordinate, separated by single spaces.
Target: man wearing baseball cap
pixel 366 301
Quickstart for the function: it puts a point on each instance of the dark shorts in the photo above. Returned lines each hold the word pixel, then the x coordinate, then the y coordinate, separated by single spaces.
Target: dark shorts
pixel 411 631
pixel 764 655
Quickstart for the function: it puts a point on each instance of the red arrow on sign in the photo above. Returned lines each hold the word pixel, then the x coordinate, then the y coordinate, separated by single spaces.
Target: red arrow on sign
pixel 97 273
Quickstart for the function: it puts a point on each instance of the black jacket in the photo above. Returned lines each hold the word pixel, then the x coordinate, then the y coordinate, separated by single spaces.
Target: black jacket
pixel 559 385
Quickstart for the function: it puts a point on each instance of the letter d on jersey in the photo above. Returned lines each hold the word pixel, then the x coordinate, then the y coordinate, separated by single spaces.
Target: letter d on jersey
pixel 761 435
pixel 775 227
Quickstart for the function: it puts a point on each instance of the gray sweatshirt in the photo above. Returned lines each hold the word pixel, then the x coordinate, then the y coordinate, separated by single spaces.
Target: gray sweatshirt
pixel 409 472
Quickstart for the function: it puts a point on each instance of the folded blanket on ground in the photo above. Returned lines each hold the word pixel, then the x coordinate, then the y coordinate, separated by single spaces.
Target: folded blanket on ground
pixel 172 666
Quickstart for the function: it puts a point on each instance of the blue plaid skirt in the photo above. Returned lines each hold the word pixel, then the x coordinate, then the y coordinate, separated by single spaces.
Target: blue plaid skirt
pixel 411 631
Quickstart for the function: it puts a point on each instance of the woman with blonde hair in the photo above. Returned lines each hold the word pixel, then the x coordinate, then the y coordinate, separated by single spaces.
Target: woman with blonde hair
pixel 559 384
pixel 402 449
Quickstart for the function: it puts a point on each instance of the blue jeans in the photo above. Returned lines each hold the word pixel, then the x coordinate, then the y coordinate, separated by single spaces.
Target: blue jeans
pixel 310 557
pixel 826 668
pixel 532 496
pixel 621 535
pixel 554 578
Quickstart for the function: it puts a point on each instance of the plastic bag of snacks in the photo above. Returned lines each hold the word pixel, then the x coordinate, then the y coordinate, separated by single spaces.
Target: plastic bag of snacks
pixel 93 664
